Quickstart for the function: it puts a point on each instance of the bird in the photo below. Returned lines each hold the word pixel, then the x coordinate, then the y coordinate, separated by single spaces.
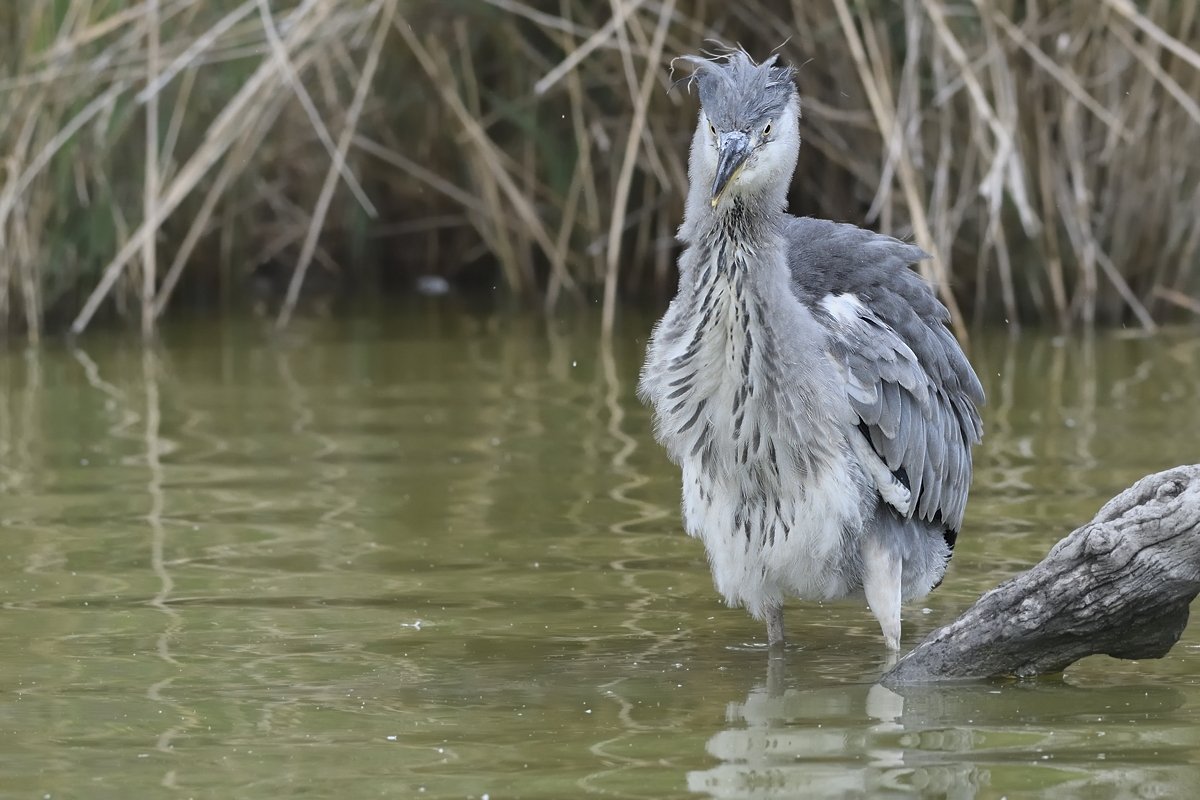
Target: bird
pixel 805 377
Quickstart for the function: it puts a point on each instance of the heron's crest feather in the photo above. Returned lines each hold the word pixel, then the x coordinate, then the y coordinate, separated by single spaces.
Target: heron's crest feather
pixel 736 92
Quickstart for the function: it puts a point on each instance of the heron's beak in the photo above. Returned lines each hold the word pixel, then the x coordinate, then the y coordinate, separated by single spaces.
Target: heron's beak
pixel 732 150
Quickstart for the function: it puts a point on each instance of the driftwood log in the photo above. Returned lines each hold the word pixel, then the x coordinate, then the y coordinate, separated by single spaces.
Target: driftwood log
pixel 1120 585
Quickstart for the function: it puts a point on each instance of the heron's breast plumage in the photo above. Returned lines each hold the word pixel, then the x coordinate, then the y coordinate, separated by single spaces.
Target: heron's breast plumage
pixel 765 472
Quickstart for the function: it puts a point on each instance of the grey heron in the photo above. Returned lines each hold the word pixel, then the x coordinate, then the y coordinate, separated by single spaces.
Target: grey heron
pixel 804 377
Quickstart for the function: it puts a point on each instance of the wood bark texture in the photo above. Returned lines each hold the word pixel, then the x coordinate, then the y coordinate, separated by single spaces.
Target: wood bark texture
pixel 1120 585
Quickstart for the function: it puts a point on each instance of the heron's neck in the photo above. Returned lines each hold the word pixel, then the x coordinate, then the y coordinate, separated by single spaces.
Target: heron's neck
pixel 742 234
pixel 745 217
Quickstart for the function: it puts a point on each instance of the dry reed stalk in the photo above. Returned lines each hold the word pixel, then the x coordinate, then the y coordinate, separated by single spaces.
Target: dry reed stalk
pixel 1127 9
pixel 1066 79
pixel 426 176
pixel 295 225
pixel 1053 250
pixel 621 192
pixel 1002 171
pixel 204 42
pixel 563 241
pixel 337 168
pixel 488 150
pixel 513 240
pixel 593 216
pixel 239 154
pixel 310 109
pixel 24 249
pixel 150 189
pixel 20 179
pixel 576 56
pixel 1073 195
pixel 1178 298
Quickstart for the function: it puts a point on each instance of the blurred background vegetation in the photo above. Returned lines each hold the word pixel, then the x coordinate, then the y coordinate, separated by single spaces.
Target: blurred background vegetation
pixel 166 153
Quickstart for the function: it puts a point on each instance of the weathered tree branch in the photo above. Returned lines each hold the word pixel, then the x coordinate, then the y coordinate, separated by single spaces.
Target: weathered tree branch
pixel 1120 585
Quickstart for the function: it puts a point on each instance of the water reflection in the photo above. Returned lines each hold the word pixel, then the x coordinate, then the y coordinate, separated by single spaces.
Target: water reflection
pixel 959 741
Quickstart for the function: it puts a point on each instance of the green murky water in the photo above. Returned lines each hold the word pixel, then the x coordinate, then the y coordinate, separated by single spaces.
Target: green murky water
pixel 440 556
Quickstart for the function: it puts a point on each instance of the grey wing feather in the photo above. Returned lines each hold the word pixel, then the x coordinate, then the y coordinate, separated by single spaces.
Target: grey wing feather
pixel 912 426
pixel 889 418
pixel 907 378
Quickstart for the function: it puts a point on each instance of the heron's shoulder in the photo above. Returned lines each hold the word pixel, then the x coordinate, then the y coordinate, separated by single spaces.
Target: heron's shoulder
pixel 829 257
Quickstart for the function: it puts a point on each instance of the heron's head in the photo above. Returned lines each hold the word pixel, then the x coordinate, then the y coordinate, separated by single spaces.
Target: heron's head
pixel 749 131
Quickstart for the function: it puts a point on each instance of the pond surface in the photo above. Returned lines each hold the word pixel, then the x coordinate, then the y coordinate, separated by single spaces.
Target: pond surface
pixel 439 555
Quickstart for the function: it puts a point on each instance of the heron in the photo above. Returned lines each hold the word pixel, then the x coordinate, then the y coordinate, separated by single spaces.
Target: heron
pixel 804 378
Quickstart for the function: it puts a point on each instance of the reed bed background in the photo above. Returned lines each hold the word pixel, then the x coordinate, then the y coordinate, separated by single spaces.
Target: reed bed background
pixel 1047 152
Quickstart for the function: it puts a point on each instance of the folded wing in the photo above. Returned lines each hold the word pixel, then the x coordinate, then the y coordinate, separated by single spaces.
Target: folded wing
pixel 905 374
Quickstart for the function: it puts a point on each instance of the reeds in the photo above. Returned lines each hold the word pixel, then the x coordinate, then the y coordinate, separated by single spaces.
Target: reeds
pixel 236 118
pixel 1047 153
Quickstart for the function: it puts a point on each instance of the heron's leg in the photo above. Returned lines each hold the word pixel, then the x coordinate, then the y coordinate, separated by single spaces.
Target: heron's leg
pixel 777 672
pixel 775 626
pixel 881 584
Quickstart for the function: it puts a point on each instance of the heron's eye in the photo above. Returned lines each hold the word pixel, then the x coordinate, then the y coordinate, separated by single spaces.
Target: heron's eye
pixel 767 131
pixel 712 129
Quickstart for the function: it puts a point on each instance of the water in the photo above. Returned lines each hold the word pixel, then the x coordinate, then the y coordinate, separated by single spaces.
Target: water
pixel 438 555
